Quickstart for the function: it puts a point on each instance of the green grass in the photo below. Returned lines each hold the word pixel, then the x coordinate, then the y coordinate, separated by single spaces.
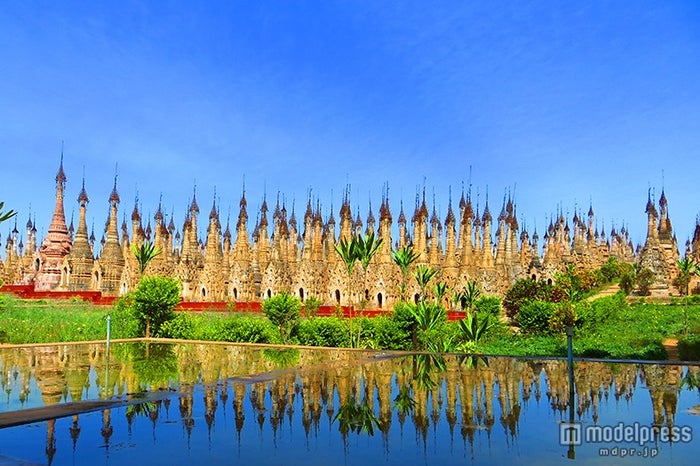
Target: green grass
pixel 53 321
pixel 609 328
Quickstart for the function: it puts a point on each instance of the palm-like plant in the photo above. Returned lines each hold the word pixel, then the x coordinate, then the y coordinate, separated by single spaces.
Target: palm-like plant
pixel 473 328
pixel 404 257
pixel 367 247
pixel 423 274
pixel 440 290
pixel 145 254
pixel 6 215
pixel 687 267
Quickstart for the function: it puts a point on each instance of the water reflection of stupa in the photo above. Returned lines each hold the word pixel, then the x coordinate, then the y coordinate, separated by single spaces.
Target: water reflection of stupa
pixel 282 388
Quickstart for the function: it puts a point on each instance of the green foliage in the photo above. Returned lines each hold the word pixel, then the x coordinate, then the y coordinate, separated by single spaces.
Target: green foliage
pixel 563 315
pixel 611 269
pixel 687 267
pixel 353 416
pixel 6 215
pixel 283 312
pixel 522 292
pixel 628 282
pixel 475 326
pixel 155 299
pixel 385 333
pixel 423 274
pixel 488 305
pixel 183 326
pixel 467 296
pixel 123 319
pixel 145 254
pixel 645 278
pixel 311 306
pixel 597 312
pixel 323 331
pixel 404 257
pixel 367 247
pixel 246 329
pixel 534 316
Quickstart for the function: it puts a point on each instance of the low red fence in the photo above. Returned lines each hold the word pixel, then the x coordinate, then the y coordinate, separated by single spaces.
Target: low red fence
pixel 96 297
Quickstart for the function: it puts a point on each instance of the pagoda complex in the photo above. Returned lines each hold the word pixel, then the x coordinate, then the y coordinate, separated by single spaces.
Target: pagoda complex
pixel 282 254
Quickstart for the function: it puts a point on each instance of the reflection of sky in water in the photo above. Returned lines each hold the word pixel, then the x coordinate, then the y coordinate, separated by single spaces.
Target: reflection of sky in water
pixel 205 424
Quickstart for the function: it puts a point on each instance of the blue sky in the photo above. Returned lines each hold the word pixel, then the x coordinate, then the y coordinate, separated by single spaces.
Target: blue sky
pixel 560 103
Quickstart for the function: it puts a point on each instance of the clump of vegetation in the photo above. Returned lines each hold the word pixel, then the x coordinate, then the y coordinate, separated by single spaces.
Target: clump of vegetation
pixel 283 311
pixel 154 302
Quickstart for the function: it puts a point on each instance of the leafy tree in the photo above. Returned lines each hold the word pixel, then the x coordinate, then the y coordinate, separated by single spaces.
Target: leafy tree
pixel 154 302
pixel 145 254
pixel 404 257
pixel 6 215
pixel 283 311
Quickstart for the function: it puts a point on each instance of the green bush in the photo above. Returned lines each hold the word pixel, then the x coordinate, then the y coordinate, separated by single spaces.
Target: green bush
pixel 183 326
pixel 245 329
pixel 123 319
pixel 322 331
pixel 488 305
pixel 600 310
pixel 385 333
pixel 534 316
pixel 524 291
pixel 611 269
pixel 283 311
pixel 155 299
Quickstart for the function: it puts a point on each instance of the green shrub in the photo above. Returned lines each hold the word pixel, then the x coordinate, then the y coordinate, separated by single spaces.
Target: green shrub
pixel 183 326
pixel 563 316
pixel 283 311
pixel 524 291
pixel 244 329
pixel 311 306
pixel 600 310
pixel 488 305
pixel 155 299
pixel 385 333
pixel 323 331
pixel 611 269
pixel 534 316
pixel 123 319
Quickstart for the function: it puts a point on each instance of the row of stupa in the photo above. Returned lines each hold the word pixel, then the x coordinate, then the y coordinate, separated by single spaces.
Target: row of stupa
pixel 302 259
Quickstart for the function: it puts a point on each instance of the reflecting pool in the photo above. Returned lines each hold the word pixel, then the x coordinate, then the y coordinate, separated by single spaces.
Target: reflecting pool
pixel 190 403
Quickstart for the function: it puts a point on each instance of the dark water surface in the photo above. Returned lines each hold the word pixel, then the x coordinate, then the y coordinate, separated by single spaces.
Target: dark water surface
pixel 226 404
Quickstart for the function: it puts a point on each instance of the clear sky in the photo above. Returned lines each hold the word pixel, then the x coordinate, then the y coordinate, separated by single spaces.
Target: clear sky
pixel 560 103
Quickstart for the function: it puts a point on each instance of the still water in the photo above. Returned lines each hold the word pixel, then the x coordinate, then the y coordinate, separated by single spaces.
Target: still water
pixel 229 404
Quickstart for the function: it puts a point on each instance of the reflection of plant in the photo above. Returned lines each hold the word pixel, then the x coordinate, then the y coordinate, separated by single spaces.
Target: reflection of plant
pixel 154 363
pixel 404 403
pixel 472 361
pixel 356 417
pixel 282 358
pixel 424 365
pixel 690 381
pixel 141 409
